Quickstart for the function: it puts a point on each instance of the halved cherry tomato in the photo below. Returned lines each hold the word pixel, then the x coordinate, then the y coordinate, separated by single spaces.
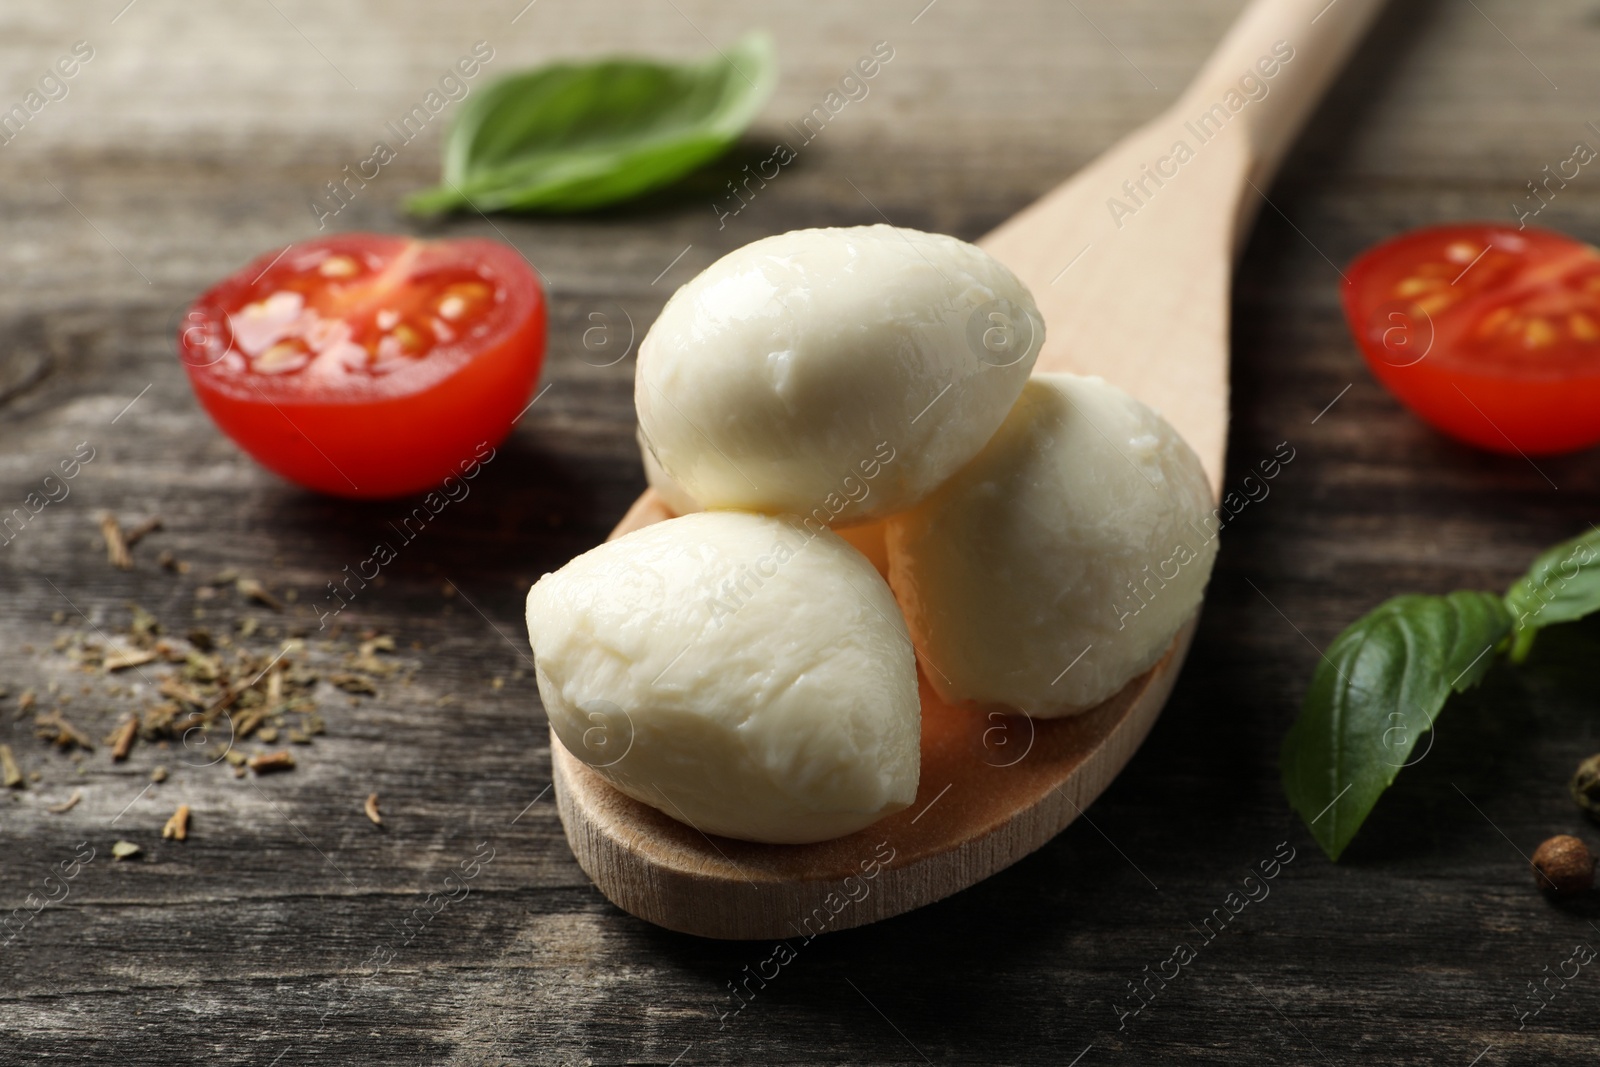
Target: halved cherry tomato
pixel 1489 333
pixel 366 365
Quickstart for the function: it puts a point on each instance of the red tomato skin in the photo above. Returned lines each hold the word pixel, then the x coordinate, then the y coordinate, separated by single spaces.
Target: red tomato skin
pixel 1527 417
pixel 1508 411
pixel 380 447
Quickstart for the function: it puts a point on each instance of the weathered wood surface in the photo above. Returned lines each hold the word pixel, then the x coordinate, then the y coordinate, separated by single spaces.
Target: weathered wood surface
pixel 194 139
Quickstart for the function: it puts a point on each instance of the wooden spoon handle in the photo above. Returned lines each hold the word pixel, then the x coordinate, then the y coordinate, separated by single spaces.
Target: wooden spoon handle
pixel 1321 35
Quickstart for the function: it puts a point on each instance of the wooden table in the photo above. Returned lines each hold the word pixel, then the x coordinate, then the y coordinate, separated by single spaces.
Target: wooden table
pixel 288 929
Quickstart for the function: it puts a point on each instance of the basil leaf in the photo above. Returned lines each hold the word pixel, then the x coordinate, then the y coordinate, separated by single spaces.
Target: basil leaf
pixel 574 136
pixel 1562 585
pixel 1377 690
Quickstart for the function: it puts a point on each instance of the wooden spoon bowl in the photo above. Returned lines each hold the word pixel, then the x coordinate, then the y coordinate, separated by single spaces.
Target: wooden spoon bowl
pixel 1138 295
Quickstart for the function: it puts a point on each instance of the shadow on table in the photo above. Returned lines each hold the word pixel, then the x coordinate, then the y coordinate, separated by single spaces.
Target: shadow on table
pixel 530 510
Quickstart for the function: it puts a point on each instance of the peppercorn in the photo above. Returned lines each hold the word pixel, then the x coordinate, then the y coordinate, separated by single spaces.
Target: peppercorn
pixel 1563 866
pixel 1585 785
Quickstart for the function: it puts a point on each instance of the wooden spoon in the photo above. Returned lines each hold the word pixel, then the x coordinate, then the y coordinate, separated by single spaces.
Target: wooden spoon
pixel 1130 262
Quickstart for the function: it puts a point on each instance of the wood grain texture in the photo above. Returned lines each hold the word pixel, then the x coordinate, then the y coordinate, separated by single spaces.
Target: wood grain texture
pixel 193 141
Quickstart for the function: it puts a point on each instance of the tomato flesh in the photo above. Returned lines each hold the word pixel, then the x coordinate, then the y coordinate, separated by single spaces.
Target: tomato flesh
pixel 1489 333
pixel 366 365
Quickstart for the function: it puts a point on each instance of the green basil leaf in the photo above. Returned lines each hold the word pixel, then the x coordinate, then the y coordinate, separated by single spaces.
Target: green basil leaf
pixel 1562 585
pixel 575 136
pixel 1378 689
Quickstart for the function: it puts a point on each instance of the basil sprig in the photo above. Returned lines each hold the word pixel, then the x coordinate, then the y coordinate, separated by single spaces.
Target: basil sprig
pixel 1562 585
pixel 1383 681
pixel 575 136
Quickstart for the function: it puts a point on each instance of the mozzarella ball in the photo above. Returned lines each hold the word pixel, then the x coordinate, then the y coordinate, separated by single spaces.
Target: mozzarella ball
pixel 839 374
pixel 671 493
pixel 866 539
pixel 741 673
pixel 1060 563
